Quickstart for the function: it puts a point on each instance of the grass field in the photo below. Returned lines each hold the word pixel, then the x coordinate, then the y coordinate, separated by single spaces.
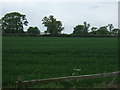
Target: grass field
pixel 50 57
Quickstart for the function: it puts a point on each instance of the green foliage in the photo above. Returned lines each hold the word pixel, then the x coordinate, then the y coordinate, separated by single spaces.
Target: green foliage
pixel 86 27
pixel 93 31
pixel 33 30
pixel 81 30
pixel 48 57
pixel 13 22
pixel 78 30
pixel 54 27
pixel 93 28
pixel 110 27
pixel 103 31
pixel 116 32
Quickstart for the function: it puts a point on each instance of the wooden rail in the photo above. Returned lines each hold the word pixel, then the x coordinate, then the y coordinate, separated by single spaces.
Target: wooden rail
pixel 19 83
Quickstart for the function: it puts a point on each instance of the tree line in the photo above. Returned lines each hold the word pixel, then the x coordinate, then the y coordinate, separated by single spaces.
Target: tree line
pixel 14 23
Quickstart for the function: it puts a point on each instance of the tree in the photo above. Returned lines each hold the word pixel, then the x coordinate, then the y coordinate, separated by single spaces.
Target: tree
pixel 78 30
pixel 54 27
pixel 81 29
pixel 93 31
pixel 103 31
pixel 33 30
pixel 13 22
pixel 93 28
pixel 110 27
pixel 86 27
pixel 116 32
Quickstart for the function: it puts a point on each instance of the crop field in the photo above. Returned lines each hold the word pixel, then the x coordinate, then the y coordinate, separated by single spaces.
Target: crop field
pixel 51 57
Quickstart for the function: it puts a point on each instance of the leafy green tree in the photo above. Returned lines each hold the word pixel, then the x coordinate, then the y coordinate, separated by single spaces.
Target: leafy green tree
pixel 33 30
pixel 13 22
pixel 78 30
pixel 116 32
pixel 110 27
pixel 103 31
pixel 81 30
pixel 93 31
pixel 93 28
pixel 54 27
pixel 86 27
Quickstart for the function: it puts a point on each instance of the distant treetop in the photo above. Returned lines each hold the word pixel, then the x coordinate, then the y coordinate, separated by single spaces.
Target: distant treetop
pixel 13 22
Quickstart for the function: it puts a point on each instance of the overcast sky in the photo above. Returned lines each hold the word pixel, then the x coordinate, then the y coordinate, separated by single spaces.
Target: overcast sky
pixel 70 13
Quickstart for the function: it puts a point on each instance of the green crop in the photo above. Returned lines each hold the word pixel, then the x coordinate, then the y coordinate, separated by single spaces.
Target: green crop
pixel 50 57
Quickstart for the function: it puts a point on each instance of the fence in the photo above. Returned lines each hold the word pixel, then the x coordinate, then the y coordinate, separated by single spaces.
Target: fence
pixel 20 83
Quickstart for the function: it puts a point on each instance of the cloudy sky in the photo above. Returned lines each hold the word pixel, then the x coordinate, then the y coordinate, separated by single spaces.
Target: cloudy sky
pixel 70 13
